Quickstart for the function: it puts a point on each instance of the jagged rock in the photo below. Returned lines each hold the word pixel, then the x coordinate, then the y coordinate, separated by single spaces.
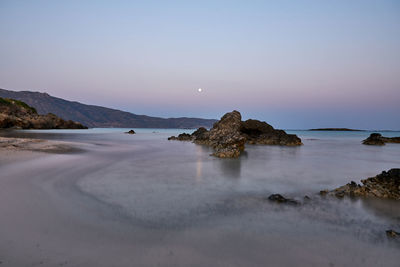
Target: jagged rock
pixel 229 135
pixel 17 114
pixel 200 135
pixel 392 234
pixel 376 139
pixel 225 136
pixel 131 132
pixel 258 132
pixel 281 199
pixel 384 185
pixel 181 137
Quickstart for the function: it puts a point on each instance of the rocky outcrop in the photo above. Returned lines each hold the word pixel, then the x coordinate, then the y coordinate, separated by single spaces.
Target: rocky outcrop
pixel 225 136
pixel 229 135
pixel 17 114
pixel 261 133
pixel 384 185
pixel 376 139
pixel 201 135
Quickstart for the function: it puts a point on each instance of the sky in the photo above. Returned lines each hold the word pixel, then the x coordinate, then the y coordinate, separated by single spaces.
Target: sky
pixel 295 64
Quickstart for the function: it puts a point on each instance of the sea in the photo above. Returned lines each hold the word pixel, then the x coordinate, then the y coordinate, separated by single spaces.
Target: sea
pixel 217 210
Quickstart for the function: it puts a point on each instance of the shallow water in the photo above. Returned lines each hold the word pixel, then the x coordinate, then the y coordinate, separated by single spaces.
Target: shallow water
pixel 199 210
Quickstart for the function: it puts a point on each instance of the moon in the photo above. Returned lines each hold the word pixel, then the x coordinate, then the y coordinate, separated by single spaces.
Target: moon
pixel 199 90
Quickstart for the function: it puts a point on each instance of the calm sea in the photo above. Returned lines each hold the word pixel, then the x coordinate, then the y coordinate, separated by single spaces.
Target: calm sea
pixel 217 207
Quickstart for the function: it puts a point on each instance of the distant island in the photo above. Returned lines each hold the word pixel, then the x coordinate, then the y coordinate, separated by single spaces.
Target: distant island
pixel 337 129
pixel 100 117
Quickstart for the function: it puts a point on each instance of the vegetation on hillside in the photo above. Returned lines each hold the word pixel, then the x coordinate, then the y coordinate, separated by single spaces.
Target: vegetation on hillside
pixel 9 101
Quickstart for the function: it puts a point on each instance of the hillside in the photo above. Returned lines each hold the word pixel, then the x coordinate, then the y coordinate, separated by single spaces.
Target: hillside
pixel 96 116
pixel 17 114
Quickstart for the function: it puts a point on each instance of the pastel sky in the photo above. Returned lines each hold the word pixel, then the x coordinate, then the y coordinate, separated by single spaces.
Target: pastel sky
pixel 294 64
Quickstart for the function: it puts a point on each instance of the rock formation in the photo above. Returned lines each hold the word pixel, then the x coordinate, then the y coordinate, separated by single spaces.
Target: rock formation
pixel 377 139
pixel 261 133
pixel 229 135
pixel 17 114
pixel 384 185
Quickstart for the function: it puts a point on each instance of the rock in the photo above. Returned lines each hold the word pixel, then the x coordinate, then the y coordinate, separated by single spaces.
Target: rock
pixel 384 185
pixel 324 192
pixel 229 135
pixel 392 234
pixel 131 132
pixel 280 199
pixel 17 114
pixel 200 135
pixel 376 139
pixel 225 136
pixel 258 132
pixel 181 137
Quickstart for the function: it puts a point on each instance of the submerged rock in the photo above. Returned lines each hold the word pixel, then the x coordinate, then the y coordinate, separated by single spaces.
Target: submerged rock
pixel 384 185
pixel 376 139
pixel 131 132
pixel 281 199
pixel 392 234
pixel 229 135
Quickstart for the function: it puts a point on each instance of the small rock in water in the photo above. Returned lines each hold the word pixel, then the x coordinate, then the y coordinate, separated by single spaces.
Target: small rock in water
pixel 323 192
pixel 181 137
pixel 392 234
pixel 376 139
pixel 131 132
pixel 280 199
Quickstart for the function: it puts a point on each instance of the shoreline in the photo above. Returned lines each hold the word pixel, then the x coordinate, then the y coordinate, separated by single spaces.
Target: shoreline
pixel 37 145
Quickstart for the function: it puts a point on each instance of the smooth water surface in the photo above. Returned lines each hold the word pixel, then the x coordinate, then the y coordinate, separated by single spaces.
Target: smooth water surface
pixel 208 211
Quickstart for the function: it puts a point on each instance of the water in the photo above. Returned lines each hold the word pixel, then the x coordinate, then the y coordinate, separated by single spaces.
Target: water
pixel 210 211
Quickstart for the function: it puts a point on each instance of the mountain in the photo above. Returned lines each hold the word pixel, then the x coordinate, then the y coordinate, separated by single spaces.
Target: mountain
pixel 15 113
pixel 96 116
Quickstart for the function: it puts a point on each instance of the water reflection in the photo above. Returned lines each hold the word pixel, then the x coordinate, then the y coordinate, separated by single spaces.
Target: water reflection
pixel 230 167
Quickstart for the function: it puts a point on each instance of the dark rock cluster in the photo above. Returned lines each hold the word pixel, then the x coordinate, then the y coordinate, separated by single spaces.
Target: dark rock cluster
pixel 229 135
pixel 384 185
pixel 131 132
pixel 17 114
pixel 277 198
pixel 377 139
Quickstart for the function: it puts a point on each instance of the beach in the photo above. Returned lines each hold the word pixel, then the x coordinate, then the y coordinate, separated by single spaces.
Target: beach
pixel 141 200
